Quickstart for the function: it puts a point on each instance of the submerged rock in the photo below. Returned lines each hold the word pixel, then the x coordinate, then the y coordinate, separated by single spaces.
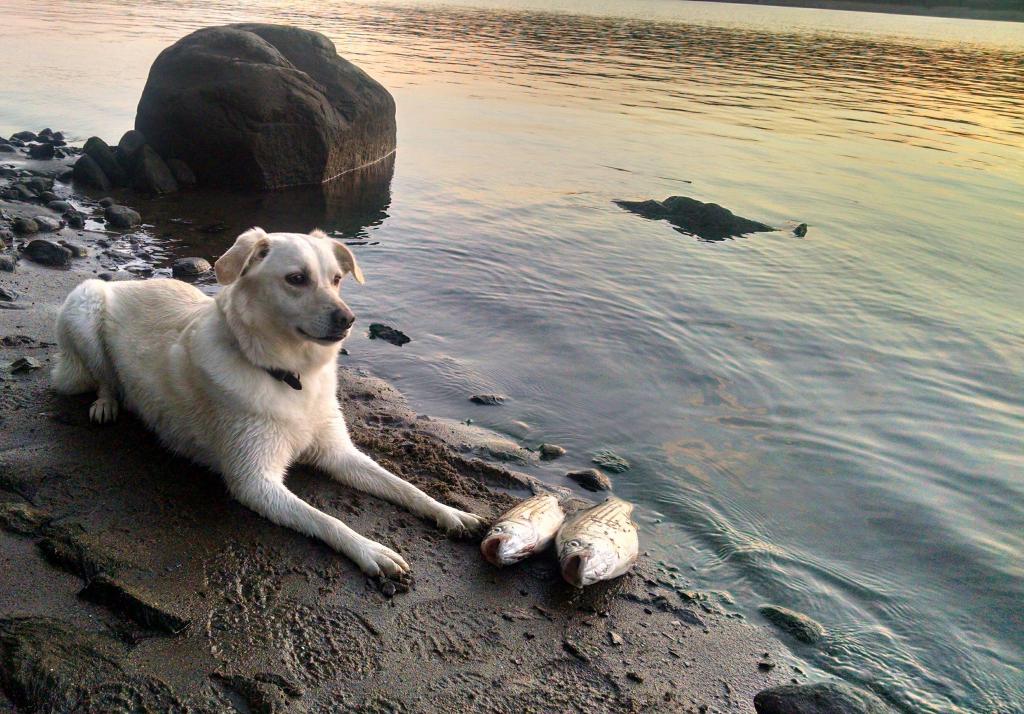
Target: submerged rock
pixel 380 331
pixel 821 698
pixel 490 400
pixel 265 106
pixel 708 221
pixel 591 479
pixel 610 461
pixel 550 452
pixel 796 624
pixel 800 231
pixel 190 267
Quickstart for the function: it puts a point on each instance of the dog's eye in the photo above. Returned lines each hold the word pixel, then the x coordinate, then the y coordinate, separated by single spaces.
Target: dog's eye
pixel 337 280
pixel 296 278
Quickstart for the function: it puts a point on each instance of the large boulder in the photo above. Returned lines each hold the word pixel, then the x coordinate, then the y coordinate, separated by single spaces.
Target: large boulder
pixel 264 106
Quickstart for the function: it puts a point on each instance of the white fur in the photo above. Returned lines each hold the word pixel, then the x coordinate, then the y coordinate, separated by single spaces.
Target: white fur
pixel 193 368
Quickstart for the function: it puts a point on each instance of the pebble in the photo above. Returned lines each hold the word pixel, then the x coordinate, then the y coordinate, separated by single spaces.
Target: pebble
pixel 122 216
pixel 591 479
pixel 190 267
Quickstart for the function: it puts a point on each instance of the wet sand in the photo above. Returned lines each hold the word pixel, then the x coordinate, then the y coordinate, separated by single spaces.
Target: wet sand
pixel 131 581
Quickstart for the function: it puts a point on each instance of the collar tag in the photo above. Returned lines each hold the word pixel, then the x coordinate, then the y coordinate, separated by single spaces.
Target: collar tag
pixel 289 378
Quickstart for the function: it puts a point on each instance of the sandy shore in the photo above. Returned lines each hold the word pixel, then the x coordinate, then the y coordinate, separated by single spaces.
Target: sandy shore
pixel 131 581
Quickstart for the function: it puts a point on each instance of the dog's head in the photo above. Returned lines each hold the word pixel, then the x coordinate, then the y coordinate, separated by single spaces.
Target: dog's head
pixel 286 285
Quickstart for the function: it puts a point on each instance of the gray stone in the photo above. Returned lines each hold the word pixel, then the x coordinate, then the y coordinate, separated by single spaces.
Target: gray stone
pixel 796 624
pixel 121 216
pixel 7 295
pixel 24 226
pixel 74 219
pixel 47 224
pixel 591 479
pixel 8 263
pixel 103 155
pixel 190 267
pixel 47 252
pixel 77 251
pixel 88 173
pixel 265 106
pixel 549 452
pixel 820 698
pixel 151 175
pixel 41 151
pixel 25 136
pixel 24 364
pixel 6 148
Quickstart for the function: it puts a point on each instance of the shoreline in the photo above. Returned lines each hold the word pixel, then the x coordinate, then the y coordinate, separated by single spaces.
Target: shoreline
pixel 918 10
pixel 134 580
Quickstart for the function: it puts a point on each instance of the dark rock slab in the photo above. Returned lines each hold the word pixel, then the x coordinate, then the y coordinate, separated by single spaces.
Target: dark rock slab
pixel 47 252
pixel 98 150
pixel 41 151
pixel 151 175
pixel 591 479
pixel 820 698
pixel 88 173
pixel 121 216
pixel 380 331
pixel 69 548
pixel 265 106
pixel 133 604
pixel 182 173
pixel 48 666
pixel 796 624
pixel 708 221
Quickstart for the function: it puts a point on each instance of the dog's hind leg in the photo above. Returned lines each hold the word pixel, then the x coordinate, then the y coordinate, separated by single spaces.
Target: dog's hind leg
pixel 82 364
pixel 337 455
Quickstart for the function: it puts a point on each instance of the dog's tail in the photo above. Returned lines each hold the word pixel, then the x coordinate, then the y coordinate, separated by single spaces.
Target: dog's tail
pixel 82 364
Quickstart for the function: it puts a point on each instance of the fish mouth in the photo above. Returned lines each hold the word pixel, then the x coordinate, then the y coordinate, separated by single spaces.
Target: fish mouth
pixel 572 569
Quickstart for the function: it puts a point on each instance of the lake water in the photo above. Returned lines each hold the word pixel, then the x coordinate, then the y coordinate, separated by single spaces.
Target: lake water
pixel 834 424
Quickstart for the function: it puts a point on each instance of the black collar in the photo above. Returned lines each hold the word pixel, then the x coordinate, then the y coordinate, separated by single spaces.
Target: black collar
pixel 289 378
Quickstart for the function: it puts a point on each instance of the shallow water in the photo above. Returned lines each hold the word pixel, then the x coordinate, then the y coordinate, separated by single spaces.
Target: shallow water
pixel 833 424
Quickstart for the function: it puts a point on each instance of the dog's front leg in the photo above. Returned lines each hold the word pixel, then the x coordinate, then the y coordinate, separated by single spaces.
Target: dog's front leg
pixel 256 480
pixel 337 455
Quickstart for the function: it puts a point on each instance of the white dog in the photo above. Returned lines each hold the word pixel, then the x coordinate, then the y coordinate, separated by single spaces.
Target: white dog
pixel 244 383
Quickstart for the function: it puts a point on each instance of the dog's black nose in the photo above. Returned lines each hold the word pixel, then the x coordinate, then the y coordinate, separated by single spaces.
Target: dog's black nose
pixel 342 318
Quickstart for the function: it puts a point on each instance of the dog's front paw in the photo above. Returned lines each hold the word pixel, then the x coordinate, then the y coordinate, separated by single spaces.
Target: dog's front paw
pixel 458 523
pixel 376 559
pixel 103 411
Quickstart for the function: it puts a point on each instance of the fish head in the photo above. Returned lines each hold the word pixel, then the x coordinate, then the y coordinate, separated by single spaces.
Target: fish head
pixel 509 542
pixel 584 562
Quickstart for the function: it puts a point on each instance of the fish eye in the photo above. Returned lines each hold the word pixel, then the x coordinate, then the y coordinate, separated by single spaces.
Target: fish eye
pixel 297 279
pixel 498 529
pixel 573 544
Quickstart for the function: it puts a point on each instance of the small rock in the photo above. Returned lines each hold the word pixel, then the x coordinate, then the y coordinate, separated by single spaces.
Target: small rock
pixel 88 173
pixel 151 175
pixel 24 364
pixel 74 219
pixel 47 224
pixel 77 251
pixel 379 331
pixel 25 226
pixel 610 461
pixel 635 676
pixel 7 263
pixel 550 452
pixel 106 201
pixel 821 698
pixel 21 192
pixel 190 267
pixel 41 151
pixel 388 589
pixel 796 624
pixel 129 147
pixel 490 400
pixel 25 136
pixel 614 638
pixel 47 252
pixel 59 206
pixel 7 295
pixel 591 479
pixel 122 216
pixel 800 231
pixel 182 173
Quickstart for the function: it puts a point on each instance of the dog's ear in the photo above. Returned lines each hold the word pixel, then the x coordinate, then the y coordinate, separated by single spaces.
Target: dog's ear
pixel 345 258
pixel 249 247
